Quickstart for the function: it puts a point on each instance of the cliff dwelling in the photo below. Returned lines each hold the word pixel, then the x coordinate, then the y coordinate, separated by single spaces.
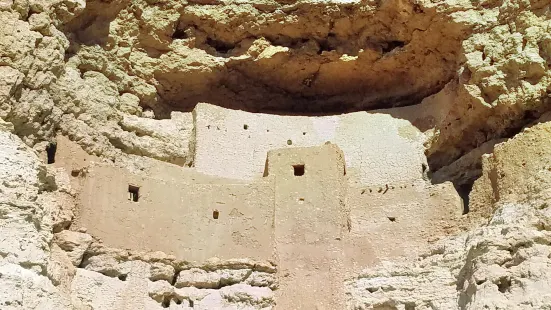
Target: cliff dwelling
pixel 317 209
pixel 287 154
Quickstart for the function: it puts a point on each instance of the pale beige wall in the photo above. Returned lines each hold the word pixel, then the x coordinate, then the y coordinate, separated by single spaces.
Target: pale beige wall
pixel 310 224
pixel 177 217
pixel 399 220
pixel 318 227
pixel 378 149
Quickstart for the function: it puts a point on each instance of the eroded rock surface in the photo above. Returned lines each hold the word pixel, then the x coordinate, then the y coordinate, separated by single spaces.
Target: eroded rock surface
pixel 504 264
pixel 25 230
pixel 119 79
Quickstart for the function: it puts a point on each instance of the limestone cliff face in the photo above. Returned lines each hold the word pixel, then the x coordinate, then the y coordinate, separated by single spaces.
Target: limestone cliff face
pixel 120 77
pixel 504 264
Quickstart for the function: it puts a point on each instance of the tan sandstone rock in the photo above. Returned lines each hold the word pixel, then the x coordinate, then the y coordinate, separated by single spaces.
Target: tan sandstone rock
pixel 182 130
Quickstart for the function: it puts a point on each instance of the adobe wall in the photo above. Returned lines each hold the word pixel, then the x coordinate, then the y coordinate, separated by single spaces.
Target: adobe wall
pixel 378 149
pixel 399 220
pixel 310 223
pixel 175 210
pixel 306 214
pixel 177 217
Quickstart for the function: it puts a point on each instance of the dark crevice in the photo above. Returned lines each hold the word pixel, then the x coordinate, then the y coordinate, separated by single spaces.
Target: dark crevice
pixel 392 45
pixel 220 46
pixel 51 149
pixel 324 47
pixel 166 302
pixel 464 179
pixel 329 42
pixel 175 278
pixel 504 284
pixel 464 190
pixel 179 34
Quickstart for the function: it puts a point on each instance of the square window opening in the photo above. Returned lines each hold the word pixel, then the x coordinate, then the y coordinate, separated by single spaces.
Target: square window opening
pixel 133 193
pixel 298 170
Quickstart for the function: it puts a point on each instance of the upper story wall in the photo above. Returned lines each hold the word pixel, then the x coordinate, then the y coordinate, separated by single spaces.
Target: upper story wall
pixel 378 149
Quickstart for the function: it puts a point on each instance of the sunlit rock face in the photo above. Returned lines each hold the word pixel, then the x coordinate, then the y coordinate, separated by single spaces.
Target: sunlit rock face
pixel 216 154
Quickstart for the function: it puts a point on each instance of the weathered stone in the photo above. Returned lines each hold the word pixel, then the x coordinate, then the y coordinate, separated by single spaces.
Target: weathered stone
pixel 155 105
pixel 161 271
pixel 198 278
pixel 74 243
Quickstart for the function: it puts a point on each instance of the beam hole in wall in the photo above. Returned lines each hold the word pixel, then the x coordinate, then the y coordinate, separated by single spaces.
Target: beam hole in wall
pixel 298 170
pixel 191 304
pixel 245 126
pixel 215 214
pixel 51 149
pixel 133 193
pixel 392 218
pixel 122 277
pixel 289 142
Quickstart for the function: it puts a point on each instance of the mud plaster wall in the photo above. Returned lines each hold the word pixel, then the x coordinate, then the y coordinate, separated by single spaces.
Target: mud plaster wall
pixel 315 225
pixel 378 149
pixel 310 224
pixel 395 220
pixel 177 217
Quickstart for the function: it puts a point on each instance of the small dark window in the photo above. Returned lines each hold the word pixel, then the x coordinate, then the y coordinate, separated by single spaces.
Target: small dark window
pixel 289 142
pixel 215 214
pixel 133 193
pixel 299 170
pixel 191 303
pixel 51 148
pixel 245 126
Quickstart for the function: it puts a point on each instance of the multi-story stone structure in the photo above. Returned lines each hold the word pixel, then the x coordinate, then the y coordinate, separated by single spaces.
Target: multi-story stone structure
pixel 328 198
